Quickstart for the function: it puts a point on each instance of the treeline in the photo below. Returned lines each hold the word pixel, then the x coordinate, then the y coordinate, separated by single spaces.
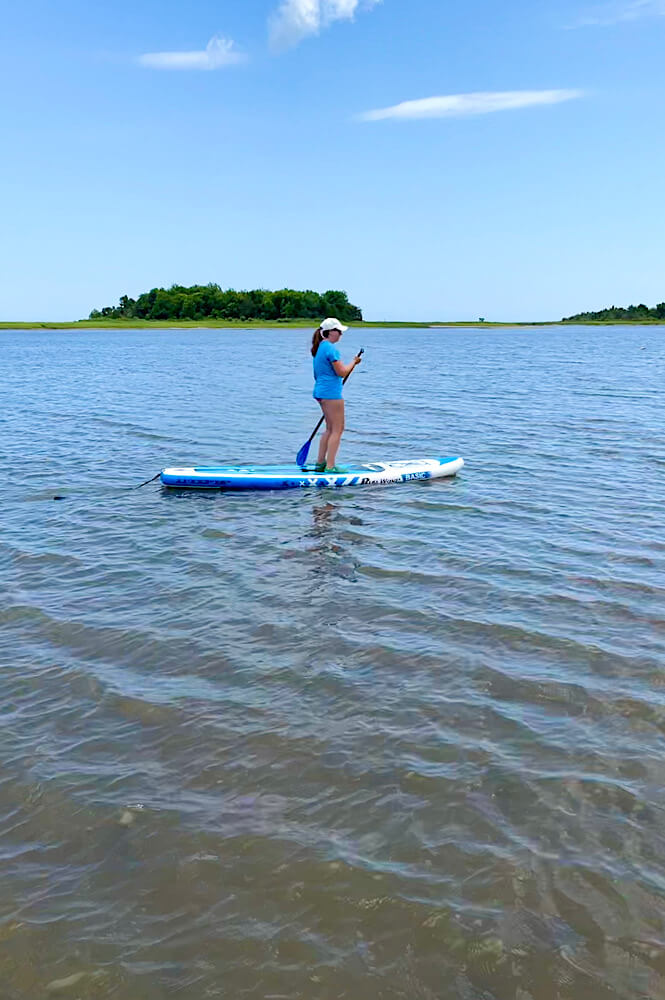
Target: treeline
pixel 200 302
pixel 634 313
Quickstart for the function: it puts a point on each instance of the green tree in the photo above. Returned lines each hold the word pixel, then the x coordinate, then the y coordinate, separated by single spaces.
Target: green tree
pixel 204 301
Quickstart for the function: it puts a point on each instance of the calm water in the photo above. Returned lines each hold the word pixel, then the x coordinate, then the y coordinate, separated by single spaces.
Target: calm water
pixel 402 743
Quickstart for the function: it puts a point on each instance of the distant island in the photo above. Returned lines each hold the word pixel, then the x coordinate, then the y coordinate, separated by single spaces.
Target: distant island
pixel 212 307
pixel 619 314
pixel 211 302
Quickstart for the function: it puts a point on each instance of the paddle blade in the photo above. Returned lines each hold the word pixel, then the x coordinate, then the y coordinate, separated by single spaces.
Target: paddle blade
pixel 301 457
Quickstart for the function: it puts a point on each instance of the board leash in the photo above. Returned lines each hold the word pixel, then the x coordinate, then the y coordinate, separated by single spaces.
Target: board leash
pixel 146 483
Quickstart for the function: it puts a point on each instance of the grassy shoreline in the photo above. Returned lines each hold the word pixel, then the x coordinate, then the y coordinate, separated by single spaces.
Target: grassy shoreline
pixel 120 324
pixel 221 324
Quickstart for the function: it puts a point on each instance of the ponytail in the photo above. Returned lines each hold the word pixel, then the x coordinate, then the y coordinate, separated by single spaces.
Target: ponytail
pixel 316 341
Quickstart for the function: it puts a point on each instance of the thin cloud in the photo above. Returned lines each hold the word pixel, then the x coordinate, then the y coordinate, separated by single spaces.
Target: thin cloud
pixel 616 13
pixel 296 19
pixel 218 53
pixel 464 105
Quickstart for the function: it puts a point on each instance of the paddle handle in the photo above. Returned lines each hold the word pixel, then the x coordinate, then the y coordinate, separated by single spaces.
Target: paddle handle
pixel 344 380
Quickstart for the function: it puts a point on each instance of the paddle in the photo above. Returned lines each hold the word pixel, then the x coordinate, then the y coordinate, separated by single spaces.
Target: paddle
pixel 301 457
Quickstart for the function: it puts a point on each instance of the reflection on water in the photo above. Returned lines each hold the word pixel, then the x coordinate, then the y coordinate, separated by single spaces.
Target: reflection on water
pixel 327 546
pixel 402 742
pixel 322 519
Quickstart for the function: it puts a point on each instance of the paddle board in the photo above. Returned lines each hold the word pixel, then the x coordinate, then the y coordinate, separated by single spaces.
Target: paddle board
pixel 287 477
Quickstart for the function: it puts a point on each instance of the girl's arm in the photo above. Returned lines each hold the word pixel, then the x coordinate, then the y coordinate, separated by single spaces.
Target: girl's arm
pixel 343 370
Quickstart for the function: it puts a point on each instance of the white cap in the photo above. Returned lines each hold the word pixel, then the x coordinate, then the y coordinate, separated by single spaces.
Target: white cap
pixel 333 324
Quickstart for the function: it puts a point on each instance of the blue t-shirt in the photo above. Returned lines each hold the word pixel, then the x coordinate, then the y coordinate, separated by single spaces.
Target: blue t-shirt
pixel 327 383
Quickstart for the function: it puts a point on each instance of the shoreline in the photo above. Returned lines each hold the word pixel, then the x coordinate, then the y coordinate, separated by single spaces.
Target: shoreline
pixel 296 324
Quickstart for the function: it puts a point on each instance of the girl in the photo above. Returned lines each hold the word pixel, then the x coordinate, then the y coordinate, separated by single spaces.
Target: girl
pixel 329 372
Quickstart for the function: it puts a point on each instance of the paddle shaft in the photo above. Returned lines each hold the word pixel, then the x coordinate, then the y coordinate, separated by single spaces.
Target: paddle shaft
pixel 344 381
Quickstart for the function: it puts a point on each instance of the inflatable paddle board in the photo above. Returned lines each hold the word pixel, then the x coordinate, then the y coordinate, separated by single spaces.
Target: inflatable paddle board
pixel 288 477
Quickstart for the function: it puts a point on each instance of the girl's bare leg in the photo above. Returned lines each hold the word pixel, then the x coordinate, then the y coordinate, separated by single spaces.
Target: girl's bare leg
pixel 325 437
pixel 334 412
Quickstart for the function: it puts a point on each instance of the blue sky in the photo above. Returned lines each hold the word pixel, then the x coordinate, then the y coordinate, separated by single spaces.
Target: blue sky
pixel 436 160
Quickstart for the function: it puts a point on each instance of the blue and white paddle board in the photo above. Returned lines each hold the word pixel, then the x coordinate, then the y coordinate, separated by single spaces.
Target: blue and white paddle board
pixel 288 477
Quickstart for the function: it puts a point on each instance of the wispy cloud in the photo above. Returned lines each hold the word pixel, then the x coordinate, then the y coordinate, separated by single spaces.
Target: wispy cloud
pixel 463 105
pixel 620 11
pixel 296 19
pixel 218 53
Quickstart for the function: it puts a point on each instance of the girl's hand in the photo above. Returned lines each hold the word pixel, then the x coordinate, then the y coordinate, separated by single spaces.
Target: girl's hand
pixel 357 359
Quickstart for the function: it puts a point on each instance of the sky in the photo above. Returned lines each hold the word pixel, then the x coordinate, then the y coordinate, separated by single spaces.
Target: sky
pixel 436 160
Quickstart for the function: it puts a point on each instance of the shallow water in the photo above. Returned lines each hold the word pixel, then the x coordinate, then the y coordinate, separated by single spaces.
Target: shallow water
pixel 403 742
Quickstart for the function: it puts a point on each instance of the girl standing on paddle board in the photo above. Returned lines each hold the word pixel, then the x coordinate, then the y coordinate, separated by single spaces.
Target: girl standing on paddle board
pixel 329 373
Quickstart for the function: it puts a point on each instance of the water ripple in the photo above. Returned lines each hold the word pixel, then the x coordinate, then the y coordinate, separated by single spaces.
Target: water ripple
pixel 402 743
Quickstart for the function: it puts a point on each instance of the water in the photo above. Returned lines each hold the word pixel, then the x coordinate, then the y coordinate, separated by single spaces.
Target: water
pixel 402 742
